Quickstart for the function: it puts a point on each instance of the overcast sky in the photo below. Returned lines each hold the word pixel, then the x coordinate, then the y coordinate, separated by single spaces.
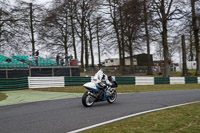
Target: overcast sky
pixel 37 1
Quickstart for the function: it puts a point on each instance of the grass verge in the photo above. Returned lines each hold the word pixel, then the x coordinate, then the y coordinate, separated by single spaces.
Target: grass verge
pixel 183 119
pixel 3 96
pixel 126 88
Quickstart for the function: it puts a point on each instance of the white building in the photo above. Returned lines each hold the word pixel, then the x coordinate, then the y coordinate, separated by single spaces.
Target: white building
pixel 116 62
pixel 191 65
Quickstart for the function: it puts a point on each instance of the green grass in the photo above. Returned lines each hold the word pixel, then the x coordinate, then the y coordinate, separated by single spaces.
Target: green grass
pixel 127 88
pixel 3 96
pixel 184 119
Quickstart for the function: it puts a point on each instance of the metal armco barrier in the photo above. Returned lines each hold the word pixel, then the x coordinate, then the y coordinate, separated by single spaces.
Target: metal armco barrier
pixel 13 84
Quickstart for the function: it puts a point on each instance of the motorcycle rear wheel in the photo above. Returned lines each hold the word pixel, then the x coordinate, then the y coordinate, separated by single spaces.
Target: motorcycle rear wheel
pixel 87 100
pixel 113 97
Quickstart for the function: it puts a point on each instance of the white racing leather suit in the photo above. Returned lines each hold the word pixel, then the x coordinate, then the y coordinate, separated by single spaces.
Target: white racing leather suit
pixel 101 78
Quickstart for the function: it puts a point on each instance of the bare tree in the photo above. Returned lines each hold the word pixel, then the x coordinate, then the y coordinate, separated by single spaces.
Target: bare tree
pixel 166 11
pixel 149 72
pixel 56 26
pixel 6 26
pixel 90 27
pixel 98 30
pixel 185 71
pixel 191 45
pixel 85 10
pixel 27 17
pixel 72 10
pixel 132 25
pixel 112 5
pixel 196 36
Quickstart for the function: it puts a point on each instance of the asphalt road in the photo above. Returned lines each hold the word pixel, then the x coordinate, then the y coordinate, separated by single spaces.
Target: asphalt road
pixel 61 116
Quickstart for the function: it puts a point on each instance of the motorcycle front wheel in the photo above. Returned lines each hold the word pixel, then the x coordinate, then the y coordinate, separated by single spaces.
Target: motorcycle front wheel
pixel 87 100
pixel 113 97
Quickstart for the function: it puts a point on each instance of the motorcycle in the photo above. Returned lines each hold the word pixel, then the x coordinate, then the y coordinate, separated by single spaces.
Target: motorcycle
pixel 97 94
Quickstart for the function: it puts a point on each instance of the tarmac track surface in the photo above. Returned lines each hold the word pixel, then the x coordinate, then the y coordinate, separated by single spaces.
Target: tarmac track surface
pixel 61 116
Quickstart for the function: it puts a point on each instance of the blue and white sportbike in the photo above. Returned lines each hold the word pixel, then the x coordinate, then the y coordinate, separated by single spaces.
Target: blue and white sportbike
pixel 99 91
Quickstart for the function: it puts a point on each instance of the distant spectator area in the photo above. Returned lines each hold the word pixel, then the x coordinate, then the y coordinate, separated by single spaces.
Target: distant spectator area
pixel 22 61
pixel 8 62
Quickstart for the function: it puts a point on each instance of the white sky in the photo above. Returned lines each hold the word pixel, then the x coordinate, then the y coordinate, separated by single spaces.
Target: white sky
pixel 37 1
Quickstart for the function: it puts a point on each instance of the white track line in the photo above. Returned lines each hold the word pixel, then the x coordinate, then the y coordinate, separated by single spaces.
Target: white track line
pixel 128 116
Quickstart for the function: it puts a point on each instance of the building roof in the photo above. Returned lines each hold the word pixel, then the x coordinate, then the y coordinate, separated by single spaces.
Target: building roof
pixel 111 58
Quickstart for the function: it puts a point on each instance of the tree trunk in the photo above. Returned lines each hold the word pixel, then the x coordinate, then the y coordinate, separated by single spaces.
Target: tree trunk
pixel 73 37
pixel 86 48
pixel 90 41
pixel 119 44
pixel 115 24
pixel 196 32
pixel 191 45
pixel 131 55
pixel 66 34
pixel 167 60
pixel 32 30
pixel 122 42
pixel 98 41
pixel 82 36
pixel 185 71
pixel 149 72
pixel 82 49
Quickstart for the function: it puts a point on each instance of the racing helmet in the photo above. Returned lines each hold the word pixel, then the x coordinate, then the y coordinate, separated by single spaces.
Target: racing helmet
pixel 103 70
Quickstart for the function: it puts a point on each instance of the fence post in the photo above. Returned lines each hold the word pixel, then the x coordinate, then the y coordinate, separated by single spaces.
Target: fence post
pixel 52 72
pixel 29 82
pixel 70 71
pixel 6 72
pixel 29 71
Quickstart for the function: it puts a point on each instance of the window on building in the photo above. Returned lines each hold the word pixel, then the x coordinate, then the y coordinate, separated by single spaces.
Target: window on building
pixel 111 60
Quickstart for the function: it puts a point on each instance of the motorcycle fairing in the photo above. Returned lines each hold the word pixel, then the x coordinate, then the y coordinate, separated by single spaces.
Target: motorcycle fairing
pixel 91 86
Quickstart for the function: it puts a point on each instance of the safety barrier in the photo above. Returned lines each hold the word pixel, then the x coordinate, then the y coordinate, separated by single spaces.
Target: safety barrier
pixel 13 84
pixel 177 80
pixel 125 80
pixel 46 82
pixel 144 80
pixel 161 80
pixel 76 81
pixel 191 80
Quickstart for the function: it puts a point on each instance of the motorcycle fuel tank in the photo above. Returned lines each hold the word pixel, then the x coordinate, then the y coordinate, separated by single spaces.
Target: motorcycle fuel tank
pixel 90 85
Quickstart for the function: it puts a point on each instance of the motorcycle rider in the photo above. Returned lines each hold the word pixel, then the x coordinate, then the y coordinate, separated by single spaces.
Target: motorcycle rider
pixel 101 80
pixel 114 83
